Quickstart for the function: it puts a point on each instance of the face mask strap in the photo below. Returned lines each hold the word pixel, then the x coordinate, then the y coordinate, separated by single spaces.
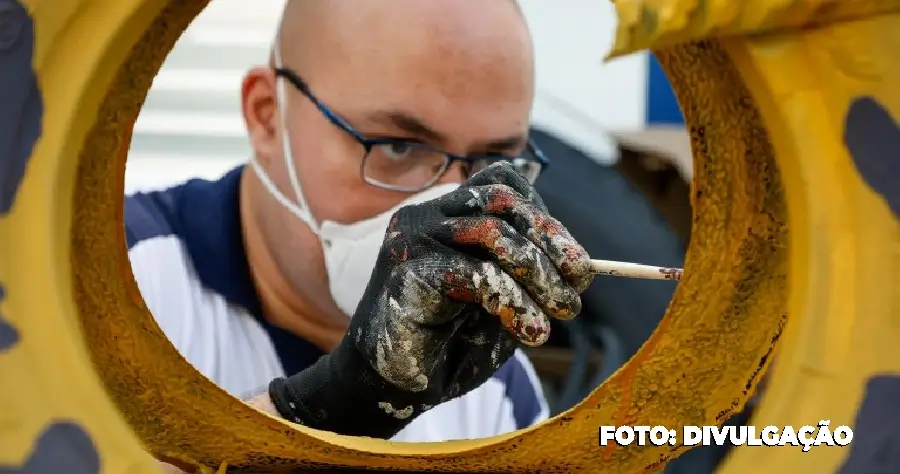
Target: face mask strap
pixel 300 208
pixel 291 206
pixel 367 227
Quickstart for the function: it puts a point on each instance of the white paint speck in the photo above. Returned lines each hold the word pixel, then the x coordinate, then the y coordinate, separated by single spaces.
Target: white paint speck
pixel 401 414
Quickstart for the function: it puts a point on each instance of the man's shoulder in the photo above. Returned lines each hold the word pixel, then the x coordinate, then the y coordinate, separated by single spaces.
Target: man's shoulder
pixel 156 251
pixel 150 215
pixel 222 340
pixel 522 389
pixel 160 262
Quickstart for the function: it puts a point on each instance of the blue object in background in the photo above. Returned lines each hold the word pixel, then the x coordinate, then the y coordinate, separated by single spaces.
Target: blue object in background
pixel 662 106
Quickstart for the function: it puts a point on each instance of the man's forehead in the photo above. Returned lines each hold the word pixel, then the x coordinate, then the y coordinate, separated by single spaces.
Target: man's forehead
pixel 514 137
pixel 422 68
pixel 323 30
pixel 296 12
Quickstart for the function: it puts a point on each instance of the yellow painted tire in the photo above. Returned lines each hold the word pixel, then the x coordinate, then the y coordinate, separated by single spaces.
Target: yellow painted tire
pixel 89 381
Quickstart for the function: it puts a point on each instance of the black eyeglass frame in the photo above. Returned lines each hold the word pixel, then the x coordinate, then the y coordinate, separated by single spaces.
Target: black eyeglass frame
pixel 369 143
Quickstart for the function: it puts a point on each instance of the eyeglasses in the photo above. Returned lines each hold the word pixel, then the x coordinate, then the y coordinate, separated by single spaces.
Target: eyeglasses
pixel 410 166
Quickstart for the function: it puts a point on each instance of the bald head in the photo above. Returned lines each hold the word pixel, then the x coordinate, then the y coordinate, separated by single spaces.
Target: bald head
pixel 456 75
pixel 451 45
pixel 355 30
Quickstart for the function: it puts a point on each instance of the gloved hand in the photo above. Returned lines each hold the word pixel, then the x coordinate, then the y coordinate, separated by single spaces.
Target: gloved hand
pixel 459 282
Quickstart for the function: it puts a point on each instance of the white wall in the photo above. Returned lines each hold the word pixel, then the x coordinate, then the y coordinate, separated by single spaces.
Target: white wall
pixel 191 124
pixel 571 39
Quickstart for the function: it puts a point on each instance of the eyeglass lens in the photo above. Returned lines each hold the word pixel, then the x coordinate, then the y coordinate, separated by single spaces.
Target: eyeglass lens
pixel 405 166
pixel 409 166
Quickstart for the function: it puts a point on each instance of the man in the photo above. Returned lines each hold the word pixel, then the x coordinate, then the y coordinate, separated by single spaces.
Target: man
pixel 363 128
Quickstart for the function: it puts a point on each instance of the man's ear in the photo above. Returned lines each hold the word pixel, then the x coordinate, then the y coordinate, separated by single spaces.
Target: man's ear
pixel 260 110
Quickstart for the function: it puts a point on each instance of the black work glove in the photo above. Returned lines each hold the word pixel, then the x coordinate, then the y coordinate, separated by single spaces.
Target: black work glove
pixel 459 282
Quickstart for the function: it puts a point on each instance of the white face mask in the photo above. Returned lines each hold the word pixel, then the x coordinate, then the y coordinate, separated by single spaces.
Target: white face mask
pixel 350 250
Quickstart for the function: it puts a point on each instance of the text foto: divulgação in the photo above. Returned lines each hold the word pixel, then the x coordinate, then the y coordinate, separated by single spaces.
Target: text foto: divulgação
pixel 805 436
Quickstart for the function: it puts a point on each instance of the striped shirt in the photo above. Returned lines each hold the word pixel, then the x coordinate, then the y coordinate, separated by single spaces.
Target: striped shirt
pixel 188 258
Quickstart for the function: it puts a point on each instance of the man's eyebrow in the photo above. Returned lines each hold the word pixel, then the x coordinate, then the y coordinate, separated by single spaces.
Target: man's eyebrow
pixel 413 125
pixel 511 142
pixel 408 123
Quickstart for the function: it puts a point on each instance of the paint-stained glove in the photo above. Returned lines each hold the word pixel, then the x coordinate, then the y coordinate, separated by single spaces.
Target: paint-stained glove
pixel 459 282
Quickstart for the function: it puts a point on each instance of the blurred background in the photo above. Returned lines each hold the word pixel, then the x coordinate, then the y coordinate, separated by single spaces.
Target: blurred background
pixel 619 174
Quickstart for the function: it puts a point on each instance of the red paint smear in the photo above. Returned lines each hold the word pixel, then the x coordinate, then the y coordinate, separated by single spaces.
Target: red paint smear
pixel 671 273
pixel 548 225
pixel 536 331
pixel 574 253
pixel 626 380
pixel 486 234
pixel 461 294
pixel 458 290
pixel 501 202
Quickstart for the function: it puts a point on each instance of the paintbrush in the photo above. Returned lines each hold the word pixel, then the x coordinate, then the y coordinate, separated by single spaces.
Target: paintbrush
pixel 634 270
